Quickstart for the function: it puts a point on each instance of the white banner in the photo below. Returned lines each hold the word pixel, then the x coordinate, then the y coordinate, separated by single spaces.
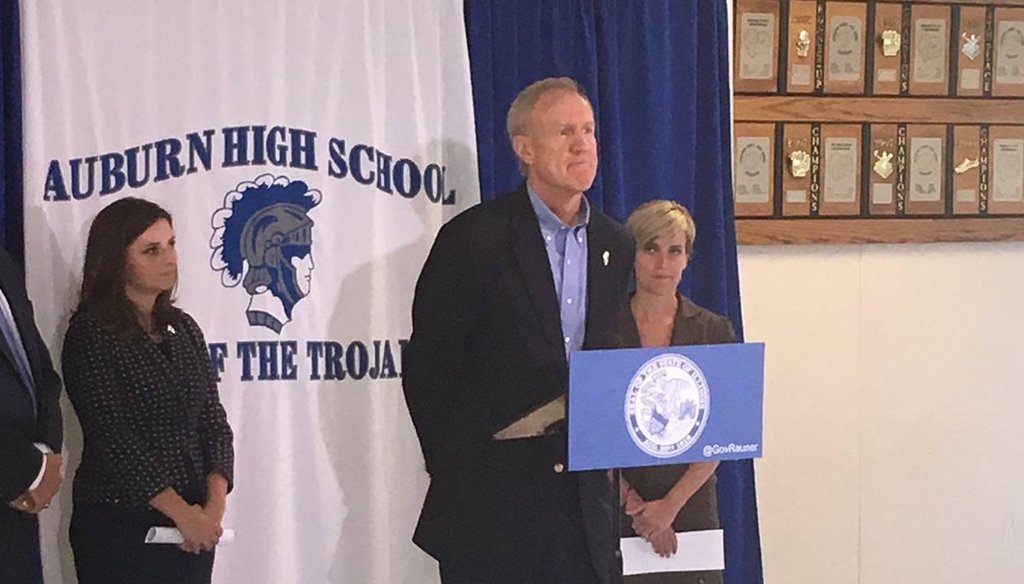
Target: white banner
pixel 346 123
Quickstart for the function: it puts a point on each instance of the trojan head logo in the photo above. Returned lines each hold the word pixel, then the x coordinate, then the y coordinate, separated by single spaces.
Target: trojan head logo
pixel 263 239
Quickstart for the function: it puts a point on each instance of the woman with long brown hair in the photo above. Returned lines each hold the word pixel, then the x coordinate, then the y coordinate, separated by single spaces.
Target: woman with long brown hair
pixel 158 448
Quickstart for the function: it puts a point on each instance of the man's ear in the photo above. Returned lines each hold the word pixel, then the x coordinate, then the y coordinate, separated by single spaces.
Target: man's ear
pixel 523 148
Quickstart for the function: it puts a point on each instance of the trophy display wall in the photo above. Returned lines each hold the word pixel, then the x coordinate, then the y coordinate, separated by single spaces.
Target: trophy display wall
pixel 878 121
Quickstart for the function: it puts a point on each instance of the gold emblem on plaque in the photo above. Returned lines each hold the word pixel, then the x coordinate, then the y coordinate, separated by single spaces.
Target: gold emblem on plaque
pixel 799 163
pixel 972 46
pixel 890 43
pixel 803 43
pixel 966 165
pixel 883 163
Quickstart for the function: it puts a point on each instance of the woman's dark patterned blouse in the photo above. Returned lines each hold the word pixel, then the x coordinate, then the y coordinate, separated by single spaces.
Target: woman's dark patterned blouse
pixel 150 413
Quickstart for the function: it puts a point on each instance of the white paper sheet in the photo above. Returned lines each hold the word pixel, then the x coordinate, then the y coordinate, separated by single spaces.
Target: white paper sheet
pixel 173 536
pixel 697 550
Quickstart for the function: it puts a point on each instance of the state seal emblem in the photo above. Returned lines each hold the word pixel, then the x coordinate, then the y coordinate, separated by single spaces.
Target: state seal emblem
pixel 667 405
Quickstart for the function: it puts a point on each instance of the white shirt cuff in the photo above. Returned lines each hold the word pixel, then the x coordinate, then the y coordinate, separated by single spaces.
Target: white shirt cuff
pixel 42 469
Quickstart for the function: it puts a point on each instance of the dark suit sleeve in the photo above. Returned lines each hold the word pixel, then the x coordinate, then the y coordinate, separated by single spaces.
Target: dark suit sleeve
pixel 48 386
pixel 20 462
pixel 445 305
pixel 99 400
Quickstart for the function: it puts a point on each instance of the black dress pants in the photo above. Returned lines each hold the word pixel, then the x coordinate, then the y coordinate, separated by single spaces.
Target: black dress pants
pixel 19 547
pixel 108 542
pixel 565 561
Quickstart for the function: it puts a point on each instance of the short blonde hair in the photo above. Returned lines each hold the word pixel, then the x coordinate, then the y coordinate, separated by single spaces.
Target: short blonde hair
pixel 661 218
pixel 517 121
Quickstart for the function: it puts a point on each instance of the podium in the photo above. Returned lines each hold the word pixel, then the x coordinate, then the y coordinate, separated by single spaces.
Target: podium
pixel 664 405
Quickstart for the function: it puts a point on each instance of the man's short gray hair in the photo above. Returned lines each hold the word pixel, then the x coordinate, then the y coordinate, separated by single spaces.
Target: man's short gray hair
pixel 517 122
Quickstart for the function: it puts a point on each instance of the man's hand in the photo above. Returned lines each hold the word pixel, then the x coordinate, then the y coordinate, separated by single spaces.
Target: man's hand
pixel 22 503
pixel 48 487
pixel 39 498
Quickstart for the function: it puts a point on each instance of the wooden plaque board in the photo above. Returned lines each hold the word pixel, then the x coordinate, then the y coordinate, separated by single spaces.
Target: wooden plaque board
pixel 753 172
pixel 757 46
pixel 845 46
pixel 1006 170
pixel 926 165
pixel 803 44
pixel 887 68
pixel 971 48
pixel 796 190
pixel 1008 53
pixel 929 50
pixel 965 168
pixel 880 170
pixel 925 143
pixel 840 169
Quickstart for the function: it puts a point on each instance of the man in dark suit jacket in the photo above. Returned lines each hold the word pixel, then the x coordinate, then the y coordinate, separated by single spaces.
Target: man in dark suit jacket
pixel 30 428
pixel 510 287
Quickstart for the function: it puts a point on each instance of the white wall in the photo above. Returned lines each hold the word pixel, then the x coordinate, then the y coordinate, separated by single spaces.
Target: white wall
pixel 894 412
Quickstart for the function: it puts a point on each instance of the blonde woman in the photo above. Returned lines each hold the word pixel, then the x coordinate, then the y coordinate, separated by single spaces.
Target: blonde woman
pixel 660 501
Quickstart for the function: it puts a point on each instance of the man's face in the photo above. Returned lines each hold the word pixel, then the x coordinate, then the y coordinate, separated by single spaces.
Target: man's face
pixel 559 146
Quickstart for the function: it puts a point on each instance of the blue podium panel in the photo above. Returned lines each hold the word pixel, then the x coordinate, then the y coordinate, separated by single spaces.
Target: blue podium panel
pixel 665 405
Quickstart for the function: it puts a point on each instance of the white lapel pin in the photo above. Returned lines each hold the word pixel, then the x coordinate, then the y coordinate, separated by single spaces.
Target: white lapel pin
pixel 605 257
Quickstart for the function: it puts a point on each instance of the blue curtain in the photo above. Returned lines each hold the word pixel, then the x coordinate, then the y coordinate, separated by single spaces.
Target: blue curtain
pixel 657 74
pixel 11 225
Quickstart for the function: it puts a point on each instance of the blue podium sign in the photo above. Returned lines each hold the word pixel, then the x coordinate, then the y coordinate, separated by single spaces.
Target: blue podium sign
pixel 665 405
